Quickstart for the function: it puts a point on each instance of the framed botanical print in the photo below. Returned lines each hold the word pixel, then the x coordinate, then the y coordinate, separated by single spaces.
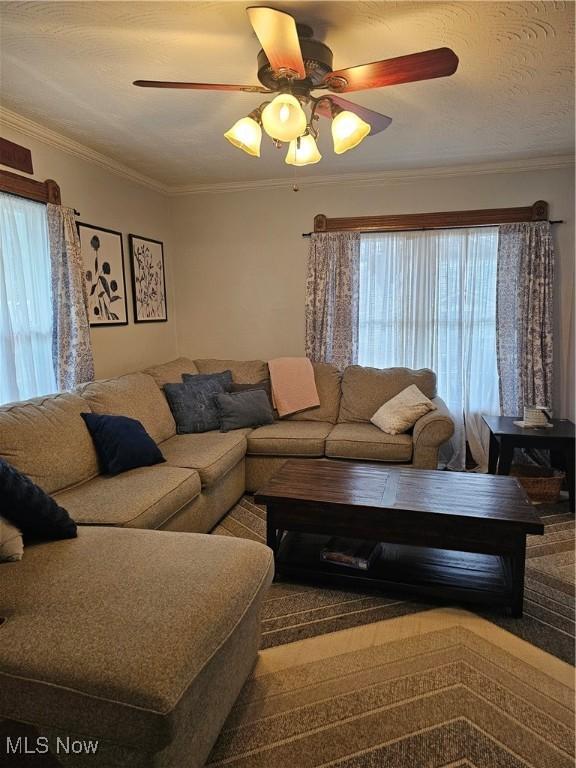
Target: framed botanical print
pixel 103 260
pixel 148 280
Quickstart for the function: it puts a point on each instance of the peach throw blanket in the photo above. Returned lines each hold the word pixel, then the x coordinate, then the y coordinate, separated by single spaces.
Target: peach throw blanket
pixel 293 384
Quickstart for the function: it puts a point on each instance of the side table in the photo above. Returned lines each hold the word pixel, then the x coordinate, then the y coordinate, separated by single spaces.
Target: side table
pixel 505 436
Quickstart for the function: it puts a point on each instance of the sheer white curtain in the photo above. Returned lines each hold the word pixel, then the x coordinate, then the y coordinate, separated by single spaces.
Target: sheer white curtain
pixel 428 300
pixel 26 367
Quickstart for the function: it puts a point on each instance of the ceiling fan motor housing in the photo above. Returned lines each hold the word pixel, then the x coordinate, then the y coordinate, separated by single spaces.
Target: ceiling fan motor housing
pixel 317 61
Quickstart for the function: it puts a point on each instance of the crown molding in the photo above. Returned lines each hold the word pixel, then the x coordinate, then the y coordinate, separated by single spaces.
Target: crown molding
pixel 58 141
pixel 375 178
pixel 378 178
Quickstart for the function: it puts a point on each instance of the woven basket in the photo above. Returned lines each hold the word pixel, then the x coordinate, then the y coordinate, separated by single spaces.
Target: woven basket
pixel 540 483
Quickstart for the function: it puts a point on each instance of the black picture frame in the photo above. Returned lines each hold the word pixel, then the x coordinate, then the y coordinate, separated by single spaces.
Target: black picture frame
pixel 95 323
pixel 136 302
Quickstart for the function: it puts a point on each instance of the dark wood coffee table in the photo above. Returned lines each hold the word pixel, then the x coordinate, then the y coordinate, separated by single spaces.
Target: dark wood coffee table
pixel 457 536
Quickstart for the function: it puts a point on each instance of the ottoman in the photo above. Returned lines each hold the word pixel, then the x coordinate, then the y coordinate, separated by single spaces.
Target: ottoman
pixel 138 640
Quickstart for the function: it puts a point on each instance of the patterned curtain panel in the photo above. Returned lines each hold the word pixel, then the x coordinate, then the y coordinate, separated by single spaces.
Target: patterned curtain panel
pixel 71 347
pixel 524 315
pixel 332 293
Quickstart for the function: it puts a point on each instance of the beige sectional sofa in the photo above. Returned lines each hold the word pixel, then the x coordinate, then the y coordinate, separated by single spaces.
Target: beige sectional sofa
pixel 143 638
pixel 340 427
pixel 205 474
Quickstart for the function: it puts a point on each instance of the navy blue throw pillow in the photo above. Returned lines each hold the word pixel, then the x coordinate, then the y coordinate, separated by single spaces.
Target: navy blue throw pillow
pixel 29 508
pixel 121 443
pixel 192 404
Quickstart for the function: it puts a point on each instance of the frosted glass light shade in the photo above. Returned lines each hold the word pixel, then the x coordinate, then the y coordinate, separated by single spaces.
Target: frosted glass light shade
pixel 348 130
pixel 246 134
pixel 306 154
pixel 284 119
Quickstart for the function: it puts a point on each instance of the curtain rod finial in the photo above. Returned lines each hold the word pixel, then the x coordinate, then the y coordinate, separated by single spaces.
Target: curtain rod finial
pixel 320 223
pixel 540 210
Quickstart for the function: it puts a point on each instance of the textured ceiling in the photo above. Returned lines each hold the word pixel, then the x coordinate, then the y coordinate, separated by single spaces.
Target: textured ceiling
pixel 69 66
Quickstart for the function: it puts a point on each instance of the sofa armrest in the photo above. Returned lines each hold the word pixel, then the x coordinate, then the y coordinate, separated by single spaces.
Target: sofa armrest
pixel 430 432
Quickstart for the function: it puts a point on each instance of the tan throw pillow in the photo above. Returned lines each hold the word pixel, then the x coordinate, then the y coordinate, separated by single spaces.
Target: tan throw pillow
pixel 11 543
pixel 402 411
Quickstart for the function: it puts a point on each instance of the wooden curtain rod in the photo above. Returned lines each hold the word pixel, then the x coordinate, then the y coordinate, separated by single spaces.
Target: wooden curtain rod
pixel 414 222
pixel 40 191
pixel 431 229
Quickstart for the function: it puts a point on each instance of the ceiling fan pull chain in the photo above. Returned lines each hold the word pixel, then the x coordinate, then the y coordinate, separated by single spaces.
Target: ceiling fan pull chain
pixel 295 187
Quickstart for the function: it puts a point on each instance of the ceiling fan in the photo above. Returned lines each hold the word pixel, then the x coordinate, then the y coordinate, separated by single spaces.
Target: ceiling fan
pixel 292 64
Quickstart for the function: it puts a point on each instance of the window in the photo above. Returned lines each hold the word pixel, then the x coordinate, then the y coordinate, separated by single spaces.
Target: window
pixel 428 300
pixel 26 367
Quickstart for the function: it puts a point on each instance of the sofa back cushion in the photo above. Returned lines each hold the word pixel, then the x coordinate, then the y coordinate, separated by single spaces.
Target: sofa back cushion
pixel 171 372
pixel 46 439
pixel 364 390
pixel 328 380
pixel 135 395
pixel 243 371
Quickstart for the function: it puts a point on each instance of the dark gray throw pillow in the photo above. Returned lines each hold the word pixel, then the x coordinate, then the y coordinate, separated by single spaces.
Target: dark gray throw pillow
pixel 224 378
pixel 243 409
pixel 192 405
pixel 263 385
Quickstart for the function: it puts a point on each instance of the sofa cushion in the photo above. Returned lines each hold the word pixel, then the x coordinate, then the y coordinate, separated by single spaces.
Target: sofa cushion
pixel 243 371
pixel 365 441
pixel 171 372
pixel 289 438
pixel 327 379
pixel 106 634
pixel 364 390
pixel 140 498
pixel 211 454
pixel 135 395
pixel 47 440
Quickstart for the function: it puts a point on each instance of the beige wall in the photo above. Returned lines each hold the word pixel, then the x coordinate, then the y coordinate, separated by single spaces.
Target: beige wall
pixel 108 200
pixel 240 257
pixel 236 261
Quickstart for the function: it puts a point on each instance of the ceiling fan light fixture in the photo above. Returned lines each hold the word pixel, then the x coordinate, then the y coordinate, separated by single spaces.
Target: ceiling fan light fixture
pixel 246 134
pixel 283 118
pixel 348 130
pixel 303 151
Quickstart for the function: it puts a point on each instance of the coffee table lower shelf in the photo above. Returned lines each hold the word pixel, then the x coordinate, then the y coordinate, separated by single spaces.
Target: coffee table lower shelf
pixel 464 577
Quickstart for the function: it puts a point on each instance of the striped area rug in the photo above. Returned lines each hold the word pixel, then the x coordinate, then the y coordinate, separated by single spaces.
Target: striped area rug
pixel 296 611
pixel 437 689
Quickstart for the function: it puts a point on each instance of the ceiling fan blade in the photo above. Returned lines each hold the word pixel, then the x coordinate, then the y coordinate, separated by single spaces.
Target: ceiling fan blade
pixel 426 65
pixel 278 36
pixel 376 120
pixel 200 86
